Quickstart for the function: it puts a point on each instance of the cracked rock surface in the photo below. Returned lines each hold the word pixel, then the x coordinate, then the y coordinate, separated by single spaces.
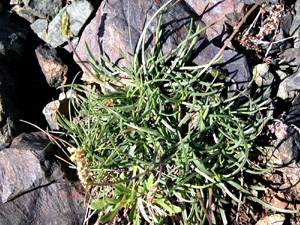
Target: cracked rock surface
pixel 33 184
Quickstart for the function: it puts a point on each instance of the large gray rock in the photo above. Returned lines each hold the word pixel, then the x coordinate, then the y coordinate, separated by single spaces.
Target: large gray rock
pixel 12 43
pixel 294 112
pixel 33 185
pixel 54 204
pixel 26 165
pixel 293 143
pixel 293 83
pixel 295 31
pixel 289 86
pixel 110 30
pixel 292 57
pixel 296 22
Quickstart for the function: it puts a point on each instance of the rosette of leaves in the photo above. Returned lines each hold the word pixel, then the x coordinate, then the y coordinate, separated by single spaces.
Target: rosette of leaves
pixel 169 141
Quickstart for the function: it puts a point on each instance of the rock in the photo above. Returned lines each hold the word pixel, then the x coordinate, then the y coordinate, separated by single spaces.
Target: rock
pixel 40 27
pixel 229 11
pixel 279 201
pixel 52 66
pixel 45 8
pixel 282 155
pixel 287 149
pixel 262 75
pixel 287 153
pixel 24 166
pixel 293 116
pixel 213 10
pixel 36 8
pixel 281 74
pixel 232 63
pixel 297 6
pixel 280 129
pixel 78 12
pixel 13 39
pixel 51 32
pixel 283 94
pixel 264 78
pixel 62 105
pixel 32 185
pixel 51 114
pixel 293 82
pixel 90 35
pixel 248 2
pixel 286 24
pixel 276 219
pixel 24 13
pixel 289 83
pixel 296 22
pixel 57 203
pixel 110 28
pixel 288 87
pixel 292 57
pixel 293 120
pixel 294 30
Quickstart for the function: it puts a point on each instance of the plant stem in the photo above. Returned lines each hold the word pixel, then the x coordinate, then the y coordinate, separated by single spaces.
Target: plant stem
pixel 203 208
pixel 210 200
pixel 87 69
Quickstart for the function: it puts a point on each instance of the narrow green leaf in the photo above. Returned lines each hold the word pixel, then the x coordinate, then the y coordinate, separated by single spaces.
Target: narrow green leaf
pixel 168 207
pixel 150 181
pixel 120 190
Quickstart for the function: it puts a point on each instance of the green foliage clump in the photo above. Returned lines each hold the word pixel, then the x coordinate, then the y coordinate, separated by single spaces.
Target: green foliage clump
pixel 167 140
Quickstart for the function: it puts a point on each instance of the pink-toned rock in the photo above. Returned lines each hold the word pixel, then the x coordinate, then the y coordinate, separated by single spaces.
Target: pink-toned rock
pixel 279 201
pixel 91 38
pixel 230 11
